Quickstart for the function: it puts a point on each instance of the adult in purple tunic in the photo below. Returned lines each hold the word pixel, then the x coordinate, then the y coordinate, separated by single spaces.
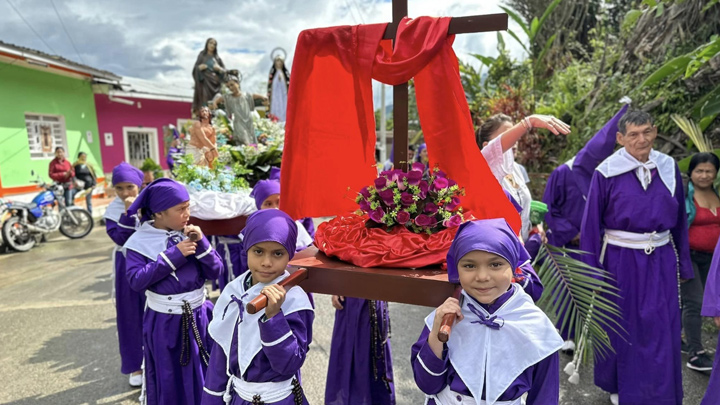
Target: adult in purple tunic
pixel 711 307
pixel 171 269
pixel 502 346
pixel 565 195
pixel 635 227
pixel 129 304
pixel 257 358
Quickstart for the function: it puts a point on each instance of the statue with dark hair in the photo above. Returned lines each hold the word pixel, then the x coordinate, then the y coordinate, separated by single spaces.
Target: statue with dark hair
pixel 278 85
pixel 208 73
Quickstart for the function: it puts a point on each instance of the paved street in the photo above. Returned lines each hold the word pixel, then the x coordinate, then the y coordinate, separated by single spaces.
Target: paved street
pixel 59 341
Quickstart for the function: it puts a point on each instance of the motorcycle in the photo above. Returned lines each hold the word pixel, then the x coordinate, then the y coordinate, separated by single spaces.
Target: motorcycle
pixel 30 220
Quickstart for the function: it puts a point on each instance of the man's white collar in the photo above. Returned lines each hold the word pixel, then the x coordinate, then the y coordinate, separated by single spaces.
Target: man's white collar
pixel 622 162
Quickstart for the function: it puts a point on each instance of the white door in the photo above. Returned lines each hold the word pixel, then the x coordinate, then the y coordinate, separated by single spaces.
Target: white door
pixel 140 144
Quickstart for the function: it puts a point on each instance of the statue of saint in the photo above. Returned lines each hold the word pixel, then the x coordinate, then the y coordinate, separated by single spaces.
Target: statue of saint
pixel 209 73
pixel 239 107
pixel 278 84
pixel 203 142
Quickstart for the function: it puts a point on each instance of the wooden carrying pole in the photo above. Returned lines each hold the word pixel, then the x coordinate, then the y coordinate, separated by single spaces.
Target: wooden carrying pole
pixel 449 319
pixel 261 301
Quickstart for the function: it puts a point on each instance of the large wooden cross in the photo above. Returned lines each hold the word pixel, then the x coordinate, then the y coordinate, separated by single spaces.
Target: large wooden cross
pixel 458 25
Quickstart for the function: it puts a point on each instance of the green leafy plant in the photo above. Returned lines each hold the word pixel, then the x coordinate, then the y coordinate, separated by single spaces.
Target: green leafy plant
pixel 583 294
pixel 149 165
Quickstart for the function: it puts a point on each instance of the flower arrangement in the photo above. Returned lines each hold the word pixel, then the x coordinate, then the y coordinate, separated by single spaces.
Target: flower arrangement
pixel 422 204
pixel 268 130
pixel 226 176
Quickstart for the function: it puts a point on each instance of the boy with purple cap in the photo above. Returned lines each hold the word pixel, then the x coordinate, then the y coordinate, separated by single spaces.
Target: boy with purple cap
pixel 171 268
pixel 129 304
pixel 257 358
pixel 502 345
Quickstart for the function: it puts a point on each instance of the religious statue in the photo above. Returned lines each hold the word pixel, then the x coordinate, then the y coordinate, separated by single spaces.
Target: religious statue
pixel 208 73
pixel 278 84
pixel 203 143
pixel 239 107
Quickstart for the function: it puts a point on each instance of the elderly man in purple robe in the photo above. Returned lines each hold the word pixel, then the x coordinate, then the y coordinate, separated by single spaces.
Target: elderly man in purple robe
pixel 635 227
pixel 565 195
pixel 170 261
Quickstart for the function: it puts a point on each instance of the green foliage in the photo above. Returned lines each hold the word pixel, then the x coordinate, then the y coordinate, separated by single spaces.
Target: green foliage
pixel 583 294
pixel 257 160
pixel 149 165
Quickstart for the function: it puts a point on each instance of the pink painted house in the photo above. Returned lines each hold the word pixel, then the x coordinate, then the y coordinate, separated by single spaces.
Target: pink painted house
pixel 132 119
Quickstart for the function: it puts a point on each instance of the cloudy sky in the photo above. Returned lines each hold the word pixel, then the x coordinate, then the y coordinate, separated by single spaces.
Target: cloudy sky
pixel 160 39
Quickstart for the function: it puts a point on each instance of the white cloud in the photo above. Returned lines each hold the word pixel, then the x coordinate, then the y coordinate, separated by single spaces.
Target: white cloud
pixel 159 40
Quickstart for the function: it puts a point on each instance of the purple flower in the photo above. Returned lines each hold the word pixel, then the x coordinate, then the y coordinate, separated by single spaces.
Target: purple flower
pixel 453 221
pixel 377 215
pixel 399 180
pixel 406 199
pixel 453 204
pixel 387 196
pixel 365 192
pixel 365 206
pixel 403 217
pixel 423 185
pixel 414 177
pixel 380 182
pixel 431 208
pixel 423 220
pixel 418 167
pixel 451 182
pixel 440 173
pixel 440 183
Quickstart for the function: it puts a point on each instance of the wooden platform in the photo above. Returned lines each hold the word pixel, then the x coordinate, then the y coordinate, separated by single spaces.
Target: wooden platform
pixel 220 227
pixel 428 287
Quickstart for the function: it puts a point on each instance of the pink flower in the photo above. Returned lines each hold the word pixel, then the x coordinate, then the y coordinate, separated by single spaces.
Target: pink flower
pixel 423 185
pixel 365 192
pixel 377 215
pixel 380 182
pixel 403 217
pixel 431 208
pixel 418 166
pixel 453 204
pixel 406 199
pixel 453 221
pixel 423 220
pixel 387 196
pixel 414 177
pixel 440 183
pixel 399 180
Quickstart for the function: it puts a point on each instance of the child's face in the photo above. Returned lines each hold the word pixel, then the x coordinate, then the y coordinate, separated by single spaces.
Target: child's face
pixel 267 261
pixel 485 276
pixel 126 189
pixel 174 218
pixel 271 202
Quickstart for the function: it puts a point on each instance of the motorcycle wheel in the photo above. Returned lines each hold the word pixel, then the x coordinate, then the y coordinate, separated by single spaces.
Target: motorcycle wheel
pixel 17 236
pixel 84 223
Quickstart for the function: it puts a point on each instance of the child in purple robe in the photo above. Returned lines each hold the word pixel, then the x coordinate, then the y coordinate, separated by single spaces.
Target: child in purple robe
pixel 711 307
pixel 171 269
pixel 257 358
pixel 501 346
pixel 129 304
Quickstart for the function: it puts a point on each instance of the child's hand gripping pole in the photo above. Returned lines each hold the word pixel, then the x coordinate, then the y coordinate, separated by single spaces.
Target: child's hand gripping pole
pixel 449 319
pixel 291 281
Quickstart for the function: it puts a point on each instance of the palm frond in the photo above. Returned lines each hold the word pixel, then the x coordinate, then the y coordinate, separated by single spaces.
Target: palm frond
pixel 691 129
pixel 583 296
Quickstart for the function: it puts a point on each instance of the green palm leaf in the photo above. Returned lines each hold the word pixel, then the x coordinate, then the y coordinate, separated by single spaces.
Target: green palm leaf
pixel 584 294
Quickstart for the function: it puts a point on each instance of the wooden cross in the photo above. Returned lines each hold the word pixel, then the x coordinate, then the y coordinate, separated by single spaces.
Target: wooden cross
pixel 458 25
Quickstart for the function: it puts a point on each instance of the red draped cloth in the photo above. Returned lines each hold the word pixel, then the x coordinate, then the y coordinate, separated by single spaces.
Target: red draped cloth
pixel 330 131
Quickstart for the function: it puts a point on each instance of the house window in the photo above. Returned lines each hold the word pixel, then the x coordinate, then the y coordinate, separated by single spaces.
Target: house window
pixel 140 144
pixel 45 133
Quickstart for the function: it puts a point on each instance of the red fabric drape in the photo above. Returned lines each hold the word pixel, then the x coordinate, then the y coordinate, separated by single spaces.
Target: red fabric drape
pixel 330 132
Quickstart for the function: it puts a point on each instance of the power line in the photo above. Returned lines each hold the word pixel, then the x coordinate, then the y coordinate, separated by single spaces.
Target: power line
pixel 350 10
pixel 66 32
pixel 30 26
pixel 360 13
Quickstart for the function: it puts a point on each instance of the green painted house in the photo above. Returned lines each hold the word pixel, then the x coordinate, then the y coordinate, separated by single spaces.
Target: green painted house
pixel 46 101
